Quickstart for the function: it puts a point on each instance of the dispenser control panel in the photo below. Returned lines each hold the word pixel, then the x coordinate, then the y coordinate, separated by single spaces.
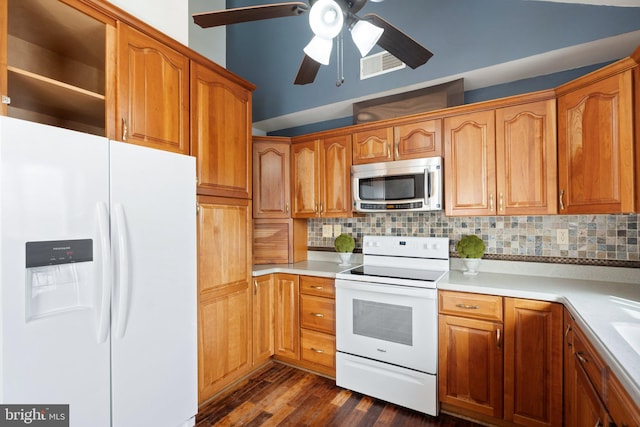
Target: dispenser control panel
pixel 55 252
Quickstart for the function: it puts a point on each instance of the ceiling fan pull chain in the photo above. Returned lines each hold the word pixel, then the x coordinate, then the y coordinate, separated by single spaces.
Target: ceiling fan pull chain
pixel 340 59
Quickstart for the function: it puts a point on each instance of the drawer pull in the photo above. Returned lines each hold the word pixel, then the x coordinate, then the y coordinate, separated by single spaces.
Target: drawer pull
pixel 317 350
pixel 569 344
pixel 319 288
pixel 498 336
pixel 317 314
pixel 468 307
pixel 581 358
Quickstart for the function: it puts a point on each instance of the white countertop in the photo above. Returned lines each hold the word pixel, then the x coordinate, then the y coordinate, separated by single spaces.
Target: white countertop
pixel 605 301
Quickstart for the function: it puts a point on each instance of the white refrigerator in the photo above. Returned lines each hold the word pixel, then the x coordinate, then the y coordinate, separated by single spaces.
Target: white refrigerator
pixel 97 277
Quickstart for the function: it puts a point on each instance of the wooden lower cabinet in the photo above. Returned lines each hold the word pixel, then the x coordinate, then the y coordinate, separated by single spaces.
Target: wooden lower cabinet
pixel 287 323
pixel 263 318
pixel 593 395
pixel 224 293
pixel 500 359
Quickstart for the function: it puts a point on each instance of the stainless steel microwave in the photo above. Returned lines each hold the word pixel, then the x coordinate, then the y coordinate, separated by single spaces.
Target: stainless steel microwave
pixel 402 185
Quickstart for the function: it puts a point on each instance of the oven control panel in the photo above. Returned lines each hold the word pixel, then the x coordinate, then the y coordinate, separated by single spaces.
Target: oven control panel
pixel 400 246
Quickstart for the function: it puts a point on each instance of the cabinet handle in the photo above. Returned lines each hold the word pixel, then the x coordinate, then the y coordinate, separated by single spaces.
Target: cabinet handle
pixel 316 287
pixel 317 350
pixel 388 150
pixel 500 207
pixel 317 210
pixel 561 197
pixel 498 336
pixel 317 314
pixel 286 207
pixel 491 202
pixel 468 307
pixel 581 358
pixel 255 286
pixel 566 333
pixel 397 150
pixel 321 208
pixel 124 129
pixel 598 423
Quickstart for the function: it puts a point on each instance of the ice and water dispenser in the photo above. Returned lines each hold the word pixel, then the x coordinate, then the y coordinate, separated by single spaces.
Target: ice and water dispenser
pixel 59 276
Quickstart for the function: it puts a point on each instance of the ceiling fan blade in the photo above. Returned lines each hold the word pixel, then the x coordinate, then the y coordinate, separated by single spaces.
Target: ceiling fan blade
pixel 398 43
pixel 307 71
pixel 247 14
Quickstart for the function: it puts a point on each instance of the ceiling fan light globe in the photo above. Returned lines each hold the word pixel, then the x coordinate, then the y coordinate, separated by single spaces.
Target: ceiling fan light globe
pixel 326 19
pixel 365 35
pixel 319 49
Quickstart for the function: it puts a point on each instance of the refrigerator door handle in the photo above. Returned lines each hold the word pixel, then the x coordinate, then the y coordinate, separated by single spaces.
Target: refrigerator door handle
pixel 123 271
pixel 102 214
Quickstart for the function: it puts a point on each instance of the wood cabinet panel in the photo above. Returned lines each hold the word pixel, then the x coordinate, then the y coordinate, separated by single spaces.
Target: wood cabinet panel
pixel 595 147
pixel 533 362
pixel 469 154
pixel 471 364
pixel 372 145
pixel 271 178
pixel 417 140
pixel 319 286
pixel 526 164
pixel 480 306
pixel 335 181
pixel 146 115
pixel 318 349
pixel 263 303
pixel 220 134
pixel 318 313
pixel 305 176
pixel 287 337
pixel 624 412
pixel 279 241
pixel 224 292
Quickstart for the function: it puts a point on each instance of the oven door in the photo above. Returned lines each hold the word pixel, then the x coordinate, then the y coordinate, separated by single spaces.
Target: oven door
pixel 393 324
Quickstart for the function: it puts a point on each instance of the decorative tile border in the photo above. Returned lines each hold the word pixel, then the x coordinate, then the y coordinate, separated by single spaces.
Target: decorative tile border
pixel 593 239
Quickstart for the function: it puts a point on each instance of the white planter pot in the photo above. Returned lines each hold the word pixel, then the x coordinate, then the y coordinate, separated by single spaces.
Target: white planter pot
pixel 345 258
pixel 472 265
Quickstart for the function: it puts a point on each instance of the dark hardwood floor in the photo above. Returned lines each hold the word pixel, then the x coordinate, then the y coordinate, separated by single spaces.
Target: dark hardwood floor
pixel 279 395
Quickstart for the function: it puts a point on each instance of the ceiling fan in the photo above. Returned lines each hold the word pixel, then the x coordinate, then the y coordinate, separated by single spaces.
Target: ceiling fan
pixel 327 18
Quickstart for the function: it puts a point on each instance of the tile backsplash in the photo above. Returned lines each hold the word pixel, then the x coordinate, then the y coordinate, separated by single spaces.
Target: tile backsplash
pixel 590 237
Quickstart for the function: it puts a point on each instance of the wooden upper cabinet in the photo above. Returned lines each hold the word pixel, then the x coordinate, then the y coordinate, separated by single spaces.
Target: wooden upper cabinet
pixel 56 64
pixel 596 147
pixel 335 172
pixel 374 145
pixel 407 141
pixel 271 177
pixel 321 177
pixel 305 176
pixel 417 140
pixel 533 364
pixel 220 133
pixel 526 161
pixel 469 155
pixel 153 93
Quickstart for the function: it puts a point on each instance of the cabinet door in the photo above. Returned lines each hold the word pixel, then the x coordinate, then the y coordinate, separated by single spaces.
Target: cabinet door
pixel 417 140
pixel 220 134
pixel 373 145
pixel 305 175
pixel 469 154
pixel 335 177
pixel 526 159
pixel 287 337
pixel 470 364
pixel 595 147
pixel 224 289
pixel 263 318
pixel 153 93
pixel 271 178
pixel 533 362
pixel 624 411
pixel 589 409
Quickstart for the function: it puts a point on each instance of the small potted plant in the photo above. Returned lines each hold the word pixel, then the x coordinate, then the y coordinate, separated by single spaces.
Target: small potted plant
pixel 344 245
pixel 471 248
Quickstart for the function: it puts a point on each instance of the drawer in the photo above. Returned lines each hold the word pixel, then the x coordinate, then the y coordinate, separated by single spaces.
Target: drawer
pixel 465 304
pixel 320 286
pixel 318 348
pixel 590 361
pixel 317 313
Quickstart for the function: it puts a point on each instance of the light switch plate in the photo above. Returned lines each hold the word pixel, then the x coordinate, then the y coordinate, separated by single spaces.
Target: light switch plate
pixel 337 230
pixel 326 230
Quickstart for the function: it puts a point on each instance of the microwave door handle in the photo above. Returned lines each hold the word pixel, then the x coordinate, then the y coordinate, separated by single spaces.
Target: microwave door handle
pixel 434 186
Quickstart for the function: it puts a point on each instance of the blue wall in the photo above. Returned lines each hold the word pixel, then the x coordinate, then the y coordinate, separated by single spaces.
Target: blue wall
pixel 463 34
